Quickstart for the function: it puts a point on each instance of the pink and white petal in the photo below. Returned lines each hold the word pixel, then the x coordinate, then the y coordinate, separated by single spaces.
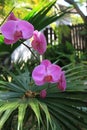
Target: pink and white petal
pixel 42 43
pixel 34 45
pixel 8 42
pixel 62 85
pixel 26 28
pixel 39 42
pixel 8 29
pixel 42 39
pixel 37 47
pixel 40 83
pixel 12 17
pixel 55 72
pixel 35 36
pixel 41 48
pixel 38 73
pixel 36 33
pixel 62 82
pixel 46 63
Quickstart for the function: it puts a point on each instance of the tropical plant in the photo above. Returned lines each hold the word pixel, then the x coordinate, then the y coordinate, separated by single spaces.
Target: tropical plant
pixel 25 105
pixel 22 109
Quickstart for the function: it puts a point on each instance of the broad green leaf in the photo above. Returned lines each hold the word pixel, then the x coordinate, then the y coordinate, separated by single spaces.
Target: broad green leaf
pixel 56 123
pixel 68 101
pixel 75 119
pixel 8 95
pixel 47 114
pixel 65 122
pixel 35 107
pixel 11 86
pixel 21 114
pixel 40 14
pixel 5 116
pixel 8 105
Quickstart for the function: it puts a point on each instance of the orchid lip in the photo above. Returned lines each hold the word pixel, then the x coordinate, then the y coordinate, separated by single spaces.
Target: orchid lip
pixel 48 78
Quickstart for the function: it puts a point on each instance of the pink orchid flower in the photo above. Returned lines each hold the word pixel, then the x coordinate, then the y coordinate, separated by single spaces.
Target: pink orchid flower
pixel 12 17
pixel 39 42
pixel 43 93
pixel 62 82
pixel 15 29
pixel 46 72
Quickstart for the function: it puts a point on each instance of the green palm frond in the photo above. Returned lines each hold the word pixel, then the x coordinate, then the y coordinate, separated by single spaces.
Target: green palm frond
pixel 39 16
pixel 58 111
pixel 66 107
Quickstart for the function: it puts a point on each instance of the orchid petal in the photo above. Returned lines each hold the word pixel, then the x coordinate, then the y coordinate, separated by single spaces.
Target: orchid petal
pixel 8 29
pixel 46 63
pixel 62 82
pixel 55 72
pixel 26 28
pixel 39 42
pixel 38 74
pixel 12 17
pixel 7 41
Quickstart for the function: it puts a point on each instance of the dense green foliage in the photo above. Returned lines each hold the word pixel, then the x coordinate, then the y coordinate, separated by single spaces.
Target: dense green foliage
pixel 63 52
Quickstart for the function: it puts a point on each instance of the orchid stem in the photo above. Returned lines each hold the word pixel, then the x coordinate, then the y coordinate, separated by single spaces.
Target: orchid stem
pixel 31 52
pixel 7 16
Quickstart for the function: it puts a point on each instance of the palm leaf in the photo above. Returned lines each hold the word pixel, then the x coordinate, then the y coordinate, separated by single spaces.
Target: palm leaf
pixel 48 118
pixel 59 110
pixel 40 14
pixel 5 116
pixel 21 114
pixel 35 106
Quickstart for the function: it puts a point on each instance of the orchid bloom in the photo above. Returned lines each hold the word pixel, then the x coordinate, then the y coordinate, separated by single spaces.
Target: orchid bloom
pixel 43 93
pixel 62 82
pixel 15 29
pixel 39 42
pixel 12 17
pixel 46 72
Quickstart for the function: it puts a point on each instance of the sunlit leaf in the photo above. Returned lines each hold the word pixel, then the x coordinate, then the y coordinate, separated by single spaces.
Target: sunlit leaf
pixel 21 114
